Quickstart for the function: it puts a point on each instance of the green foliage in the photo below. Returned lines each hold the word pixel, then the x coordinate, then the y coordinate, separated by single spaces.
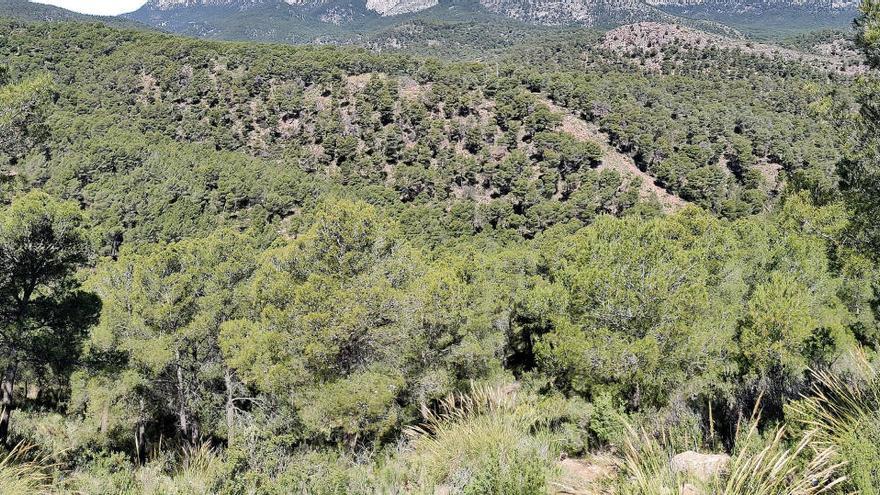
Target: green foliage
pixel 22 116
pixel 868 25
pixel 158 328
pixel 43 314
pixel 346 319
pixel 518 474
pixel 364 404
pixel 860 175
pixel 641 308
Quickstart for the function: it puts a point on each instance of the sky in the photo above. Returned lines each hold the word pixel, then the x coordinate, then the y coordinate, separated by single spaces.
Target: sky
pixel 97 7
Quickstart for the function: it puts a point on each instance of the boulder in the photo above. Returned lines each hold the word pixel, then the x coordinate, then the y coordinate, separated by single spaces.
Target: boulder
pixel 689 489
pixel 584 476
pixel 700 466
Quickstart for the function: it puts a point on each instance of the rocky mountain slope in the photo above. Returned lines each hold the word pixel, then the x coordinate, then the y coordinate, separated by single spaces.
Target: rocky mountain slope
pixel 580 12
pixel 355 12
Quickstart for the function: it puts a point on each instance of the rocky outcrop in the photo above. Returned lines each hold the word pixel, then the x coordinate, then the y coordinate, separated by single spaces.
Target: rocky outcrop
pixel 397 7
pixel 804 14
pixel 584 476
pixel 579 12
pixel 758 4
pixel 382 7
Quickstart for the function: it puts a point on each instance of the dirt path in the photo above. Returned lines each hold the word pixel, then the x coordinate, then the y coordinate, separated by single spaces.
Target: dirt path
pixel 611 158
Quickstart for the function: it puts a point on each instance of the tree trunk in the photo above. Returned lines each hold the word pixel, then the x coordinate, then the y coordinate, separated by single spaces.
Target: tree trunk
pixel 105 419
pixel 140 437
pixel 6 401
pixel 182 416
pixel 230 406
pixel 139 447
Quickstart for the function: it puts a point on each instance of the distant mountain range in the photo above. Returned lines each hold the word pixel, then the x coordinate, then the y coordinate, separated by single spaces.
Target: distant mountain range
pixel 786 14
pixel 354 21
pixel 329 20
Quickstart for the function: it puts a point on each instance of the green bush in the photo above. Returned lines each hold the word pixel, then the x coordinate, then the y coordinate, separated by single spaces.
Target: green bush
pixel 517 474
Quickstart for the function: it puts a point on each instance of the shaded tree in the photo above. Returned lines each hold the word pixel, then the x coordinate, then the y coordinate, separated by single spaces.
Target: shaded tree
pixel 43 313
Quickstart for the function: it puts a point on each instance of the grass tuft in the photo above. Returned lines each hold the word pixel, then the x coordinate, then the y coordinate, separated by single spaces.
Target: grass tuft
pixel 844 411
pixel 482 442
pixel 758 466
pixel 21 473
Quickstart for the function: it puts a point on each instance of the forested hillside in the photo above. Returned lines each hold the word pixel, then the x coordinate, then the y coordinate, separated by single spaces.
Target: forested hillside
pixel 31 11
pixel 257 268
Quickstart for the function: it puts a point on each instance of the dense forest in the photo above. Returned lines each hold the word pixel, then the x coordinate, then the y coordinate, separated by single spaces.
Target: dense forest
pixel 243 268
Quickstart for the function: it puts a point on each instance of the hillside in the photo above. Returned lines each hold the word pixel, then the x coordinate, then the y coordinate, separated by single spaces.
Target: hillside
pixel 769 18
pixel 29 11
pixel 658 45
pixel 375 12
pixel 468 135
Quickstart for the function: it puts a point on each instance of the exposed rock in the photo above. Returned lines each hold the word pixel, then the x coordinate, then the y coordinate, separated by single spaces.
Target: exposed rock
pixel 702 466
pixel 585 476
pixel 396 7
pixel 174 4
pixel 689 489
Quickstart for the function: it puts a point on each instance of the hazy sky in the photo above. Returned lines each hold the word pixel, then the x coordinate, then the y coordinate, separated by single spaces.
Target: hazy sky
pixel 98 7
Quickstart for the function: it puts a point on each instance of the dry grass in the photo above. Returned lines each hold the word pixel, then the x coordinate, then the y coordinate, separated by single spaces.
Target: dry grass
pixel 758 467
pixel 844 412
pixel 836 405
pixel 199 471
pixel 776 470
pixel 459 407
pixel 24 472
pixel 485 436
